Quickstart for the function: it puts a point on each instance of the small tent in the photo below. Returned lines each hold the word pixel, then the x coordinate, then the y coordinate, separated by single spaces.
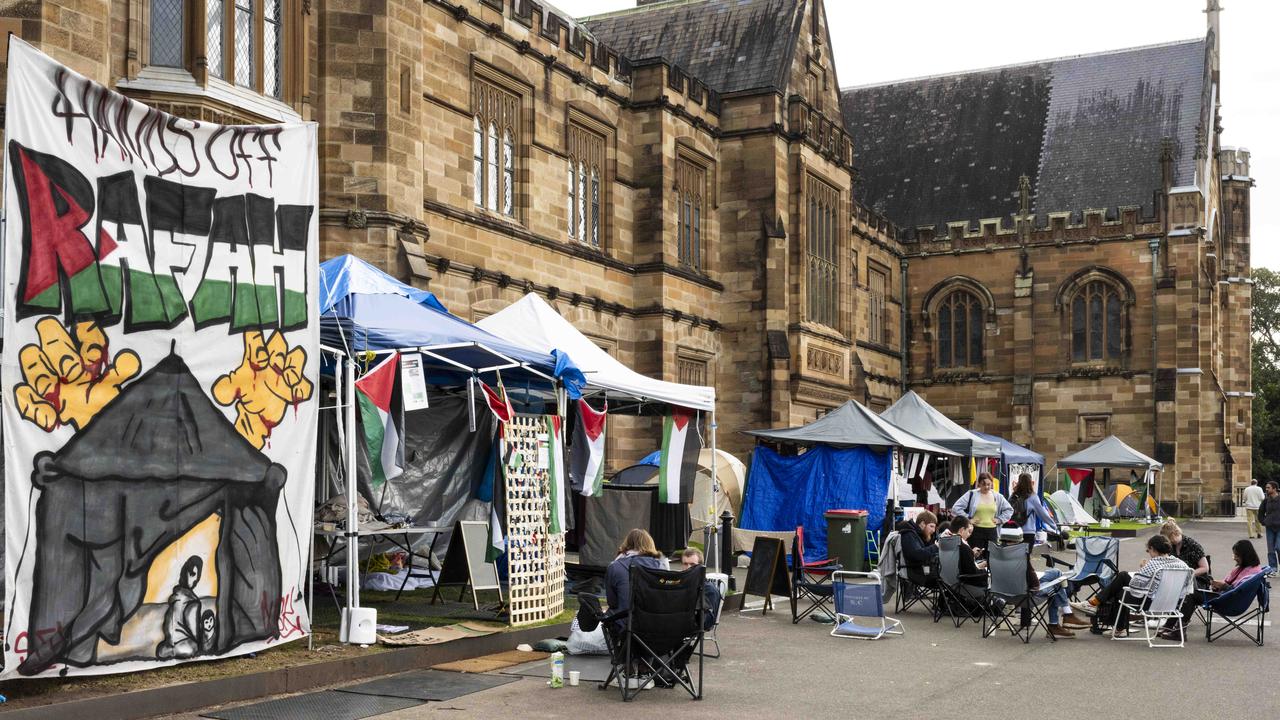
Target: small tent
pixel 1111 452
pixel 1068 511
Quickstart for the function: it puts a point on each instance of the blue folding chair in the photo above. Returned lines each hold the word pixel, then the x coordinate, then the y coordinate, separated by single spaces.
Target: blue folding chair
pixel 859 596
pixel 1236 608
pixel 1097 558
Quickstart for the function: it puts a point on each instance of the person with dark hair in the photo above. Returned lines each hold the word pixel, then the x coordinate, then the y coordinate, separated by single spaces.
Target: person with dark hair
pixel 182 625
pixel 918 542
pixel 1269 516
pixel 987 509
pixel 970 567
pixel 1029 511
pixel 1247 564
pixel 1146 579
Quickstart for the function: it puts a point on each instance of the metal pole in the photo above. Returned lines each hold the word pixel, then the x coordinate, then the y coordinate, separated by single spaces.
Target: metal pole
pixel 715 494
pixel 353 521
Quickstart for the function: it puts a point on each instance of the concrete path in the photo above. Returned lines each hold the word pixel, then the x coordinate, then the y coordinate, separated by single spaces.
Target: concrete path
pixel 773 669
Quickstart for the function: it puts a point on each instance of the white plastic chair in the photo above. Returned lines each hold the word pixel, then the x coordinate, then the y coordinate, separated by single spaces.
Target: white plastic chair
pixel 1165 604
pixel 859 595
pixel 722 581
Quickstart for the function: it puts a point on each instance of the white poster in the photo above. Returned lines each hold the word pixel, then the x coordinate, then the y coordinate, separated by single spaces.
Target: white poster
pixel 161 335
pixel 413 382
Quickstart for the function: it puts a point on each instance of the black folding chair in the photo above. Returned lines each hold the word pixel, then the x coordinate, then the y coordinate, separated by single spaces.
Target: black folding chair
pixel 810 583
pixel 917 585
pixel 959 596
pixel 661 632
pixel 1009 594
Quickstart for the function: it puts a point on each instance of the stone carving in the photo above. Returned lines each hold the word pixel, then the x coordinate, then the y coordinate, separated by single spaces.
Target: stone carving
pixel 824 361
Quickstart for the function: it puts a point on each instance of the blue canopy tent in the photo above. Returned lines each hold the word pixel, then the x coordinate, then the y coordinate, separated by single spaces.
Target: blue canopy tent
pixel 1018 458
pixel 363 310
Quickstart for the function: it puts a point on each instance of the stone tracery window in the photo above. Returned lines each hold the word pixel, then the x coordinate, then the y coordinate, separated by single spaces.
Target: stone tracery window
pixel 586 172
pixel 691 187
pixel 823 247
pixel 959 324
pixel 1097 322
pixel 495 130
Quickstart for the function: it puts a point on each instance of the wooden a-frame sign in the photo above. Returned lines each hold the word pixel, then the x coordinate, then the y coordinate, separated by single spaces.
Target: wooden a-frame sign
pixel 767 574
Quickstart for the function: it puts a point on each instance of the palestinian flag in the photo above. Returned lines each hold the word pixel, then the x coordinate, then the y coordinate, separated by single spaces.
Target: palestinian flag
pixel 680 446
pixel 586 455
pixel 1081 484
pixel 555 474
pixel 374 393
pixel 499 403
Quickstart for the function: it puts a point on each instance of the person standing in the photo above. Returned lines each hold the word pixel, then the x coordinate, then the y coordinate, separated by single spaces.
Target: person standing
pixel 1028 510
pixel 1253 497
pixel 1269 516
pixel 987 509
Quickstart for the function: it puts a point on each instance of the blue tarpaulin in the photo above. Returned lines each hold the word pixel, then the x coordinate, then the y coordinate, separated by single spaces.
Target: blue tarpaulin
pixel 784 492
pixel 363 308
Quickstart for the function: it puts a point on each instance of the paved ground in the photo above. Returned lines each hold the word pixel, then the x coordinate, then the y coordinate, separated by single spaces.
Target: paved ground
pixel 773 669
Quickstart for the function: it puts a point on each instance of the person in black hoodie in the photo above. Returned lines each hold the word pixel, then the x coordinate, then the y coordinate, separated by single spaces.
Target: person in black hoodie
pixel 919 546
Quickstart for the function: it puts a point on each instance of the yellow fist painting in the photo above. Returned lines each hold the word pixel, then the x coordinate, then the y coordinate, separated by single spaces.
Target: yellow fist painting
pixel 266 384
pixel 69 376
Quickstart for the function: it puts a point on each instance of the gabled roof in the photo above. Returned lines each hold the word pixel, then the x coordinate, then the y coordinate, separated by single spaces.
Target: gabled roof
pixel 731 45
pixel 913 414
pixel 851 425
pixel 1087 131
pixel 1109 452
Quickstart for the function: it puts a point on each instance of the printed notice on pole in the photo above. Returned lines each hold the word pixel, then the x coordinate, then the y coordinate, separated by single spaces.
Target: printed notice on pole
pixel 413 383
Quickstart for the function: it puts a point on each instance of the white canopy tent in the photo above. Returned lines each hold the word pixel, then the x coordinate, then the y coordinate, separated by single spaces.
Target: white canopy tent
pixel 1112 452
pixel 533 324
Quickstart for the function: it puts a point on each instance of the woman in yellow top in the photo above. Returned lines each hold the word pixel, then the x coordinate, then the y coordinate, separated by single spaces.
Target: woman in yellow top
pixel 987 509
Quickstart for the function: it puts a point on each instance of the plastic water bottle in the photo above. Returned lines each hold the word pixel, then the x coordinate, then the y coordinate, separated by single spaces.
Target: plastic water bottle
pixel 557 669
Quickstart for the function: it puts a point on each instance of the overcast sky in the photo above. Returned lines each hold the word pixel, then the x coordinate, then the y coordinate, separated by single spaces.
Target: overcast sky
pixel 879 41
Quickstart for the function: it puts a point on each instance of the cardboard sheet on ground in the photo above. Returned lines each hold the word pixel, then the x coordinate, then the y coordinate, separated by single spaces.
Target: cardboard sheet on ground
pixel 442 634
pixel 160 356
pixel 434 685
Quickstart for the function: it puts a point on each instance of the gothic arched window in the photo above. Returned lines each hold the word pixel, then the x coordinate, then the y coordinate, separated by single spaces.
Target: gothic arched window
pixel 960 328
pixel 1097 322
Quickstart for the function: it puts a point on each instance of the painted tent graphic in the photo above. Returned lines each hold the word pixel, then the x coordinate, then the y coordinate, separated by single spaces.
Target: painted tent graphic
pixel 92 570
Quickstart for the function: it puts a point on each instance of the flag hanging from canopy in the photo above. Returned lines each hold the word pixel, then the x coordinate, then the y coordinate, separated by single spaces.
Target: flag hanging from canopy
pixel 586 457
pixel 375 394
pixel 679 461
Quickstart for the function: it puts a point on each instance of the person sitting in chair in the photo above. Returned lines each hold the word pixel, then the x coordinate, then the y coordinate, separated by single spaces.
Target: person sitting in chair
pixel 1247 562
pixel 637 548
pixel 691 558
pixel 919 547
pixel 1146 579
pixel 972 570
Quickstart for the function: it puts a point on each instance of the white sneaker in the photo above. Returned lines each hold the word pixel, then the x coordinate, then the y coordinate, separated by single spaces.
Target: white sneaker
pixel 1085 608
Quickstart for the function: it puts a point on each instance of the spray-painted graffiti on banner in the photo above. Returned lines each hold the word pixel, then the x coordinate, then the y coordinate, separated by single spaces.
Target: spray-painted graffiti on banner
pixel 158 379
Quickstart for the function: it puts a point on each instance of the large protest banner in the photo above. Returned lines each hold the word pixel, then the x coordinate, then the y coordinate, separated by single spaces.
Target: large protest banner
pixel 160 355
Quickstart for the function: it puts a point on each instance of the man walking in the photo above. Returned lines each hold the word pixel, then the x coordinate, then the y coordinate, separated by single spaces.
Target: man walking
pixel 1269 516
pixel 1253 497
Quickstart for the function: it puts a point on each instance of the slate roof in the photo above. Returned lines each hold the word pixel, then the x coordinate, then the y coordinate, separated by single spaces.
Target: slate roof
pixel 731 45
pixel 1086 130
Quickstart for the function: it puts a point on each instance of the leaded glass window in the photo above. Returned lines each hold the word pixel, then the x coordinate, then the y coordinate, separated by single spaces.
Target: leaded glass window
pixel 495 127
pixel 167 24
pixel 214 10
pixel 1097 323
pixel 960 329
pixel 244 43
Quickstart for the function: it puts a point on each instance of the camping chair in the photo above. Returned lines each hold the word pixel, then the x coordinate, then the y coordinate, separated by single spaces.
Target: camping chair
pixel 662 631
pixel 1172 584
pixel 1008 594
pixel 722 582
pixel 1097 560
pixel 962 600
pixel 916 584
pixel 1235 607
pixel 859 595
pixel 810 582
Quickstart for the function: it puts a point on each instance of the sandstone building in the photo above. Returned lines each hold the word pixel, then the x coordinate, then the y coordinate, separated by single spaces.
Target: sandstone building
pixel 687 183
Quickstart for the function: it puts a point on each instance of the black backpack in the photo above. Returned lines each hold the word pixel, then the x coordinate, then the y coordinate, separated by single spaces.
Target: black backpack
pixel 1020 510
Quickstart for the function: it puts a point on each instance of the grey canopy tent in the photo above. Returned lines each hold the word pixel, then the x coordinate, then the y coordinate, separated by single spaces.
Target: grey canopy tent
pixel 1112 452
pixel 851 425
pixel 913 414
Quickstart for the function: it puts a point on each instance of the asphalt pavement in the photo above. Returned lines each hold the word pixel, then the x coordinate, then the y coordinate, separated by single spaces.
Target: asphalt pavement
pixel 771 669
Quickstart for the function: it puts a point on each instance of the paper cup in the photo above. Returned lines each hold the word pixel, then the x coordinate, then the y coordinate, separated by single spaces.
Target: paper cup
pixel 574 675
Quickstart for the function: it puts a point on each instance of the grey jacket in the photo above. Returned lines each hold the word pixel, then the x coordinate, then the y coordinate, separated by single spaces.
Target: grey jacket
pixel 969 502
